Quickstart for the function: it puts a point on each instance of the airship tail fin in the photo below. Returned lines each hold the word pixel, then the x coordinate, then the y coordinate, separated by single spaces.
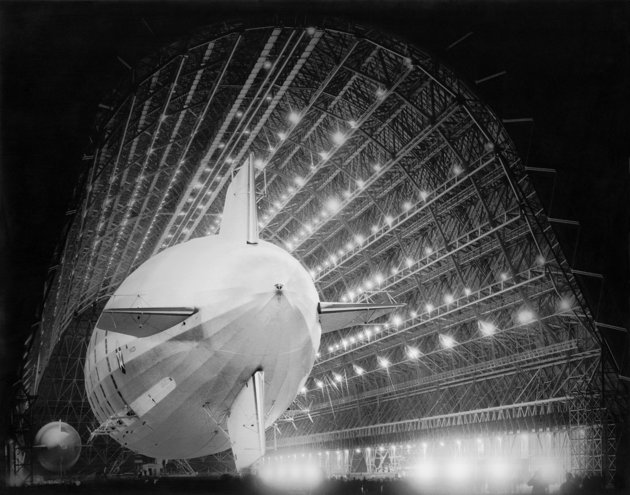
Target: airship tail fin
pixel 240 219
pixel 335 316
pixel 246 423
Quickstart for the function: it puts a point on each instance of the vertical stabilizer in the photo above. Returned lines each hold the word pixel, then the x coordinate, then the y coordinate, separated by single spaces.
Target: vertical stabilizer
pixel 246 423
pixel 240 219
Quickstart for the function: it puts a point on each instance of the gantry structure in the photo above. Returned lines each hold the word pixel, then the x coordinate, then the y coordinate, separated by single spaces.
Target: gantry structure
pixel 388 179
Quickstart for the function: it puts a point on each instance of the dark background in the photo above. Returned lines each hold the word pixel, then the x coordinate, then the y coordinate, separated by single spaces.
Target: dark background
pixel 567 64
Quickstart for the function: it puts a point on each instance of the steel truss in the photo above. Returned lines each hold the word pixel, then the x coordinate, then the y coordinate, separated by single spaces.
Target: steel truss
pixel 593 438
pixel 383 174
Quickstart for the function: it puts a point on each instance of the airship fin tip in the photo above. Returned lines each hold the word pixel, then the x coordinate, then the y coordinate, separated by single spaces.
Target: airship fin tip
pixel 246 422
pixel 240 219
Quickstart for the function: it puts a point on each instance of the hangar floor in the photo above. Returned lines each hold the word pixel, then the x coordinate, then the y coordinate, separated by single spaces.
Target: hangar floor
pixel 235 486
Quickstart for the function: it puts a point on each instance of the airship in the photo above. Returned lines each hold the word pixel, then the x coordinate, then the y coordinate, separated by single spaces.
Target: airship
pixel 58 446
pixel 206 344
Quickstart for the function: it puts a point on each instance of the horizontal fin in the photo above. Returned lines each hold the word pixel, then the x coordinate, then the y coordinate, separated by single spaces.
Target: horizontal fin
pixel 142 322
pixel 335 316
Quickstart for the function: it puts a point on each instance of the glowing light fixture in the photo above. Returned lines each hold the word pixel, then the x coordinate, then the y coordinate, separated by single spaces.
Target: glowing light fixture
pixel 413 352
pixel 333 204
pixel 486 327
pixel 339 138
pixel 447 341
pixel 525 316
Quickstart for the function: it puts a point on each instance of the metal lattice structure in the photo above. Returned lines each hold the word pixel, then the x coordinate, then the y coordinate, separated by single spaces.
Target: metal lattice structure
pixel 385 176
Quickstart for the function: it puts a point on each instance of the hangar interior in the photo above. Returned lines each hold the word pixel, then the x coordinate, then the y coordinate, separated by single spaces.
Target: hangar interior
pixel 390 180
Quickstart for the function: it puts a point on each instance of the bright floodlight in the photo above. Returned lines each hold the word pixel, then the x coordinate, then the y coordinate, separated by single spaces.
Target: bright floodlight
pixel 338 138
pixel 383 362
pixel 566 303
pixel 426 471
pixel 359 370
pixel 459 470
pixel 333 204
pixel 397 320
pixel 525 316
pixel 294 117
pixel 429 307
pixel 319 383
pixel 449 299
pixel 294 476
pixel 486 327
pixel 413 352
pixel 447 341
pixel 498 470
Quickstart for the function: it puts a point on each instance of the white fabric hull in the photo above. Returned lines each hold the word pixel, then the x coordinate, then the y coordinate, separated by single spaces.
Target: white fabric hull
pixel 168 395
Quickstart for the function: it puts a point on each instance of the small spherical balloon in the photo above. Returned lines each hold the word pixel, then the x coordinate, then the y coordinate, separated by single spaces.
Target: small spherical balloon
pixel 57 446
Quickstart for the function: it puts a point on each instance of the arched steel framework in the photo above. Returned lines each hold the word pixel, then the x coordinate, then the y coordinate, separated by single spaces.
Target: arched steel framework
pixel 386 176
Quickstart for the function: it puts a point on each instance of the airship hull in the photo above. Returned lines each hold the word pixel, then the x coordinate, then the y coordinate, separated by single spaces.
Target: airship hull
pixel 168 395
pixel 207 343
